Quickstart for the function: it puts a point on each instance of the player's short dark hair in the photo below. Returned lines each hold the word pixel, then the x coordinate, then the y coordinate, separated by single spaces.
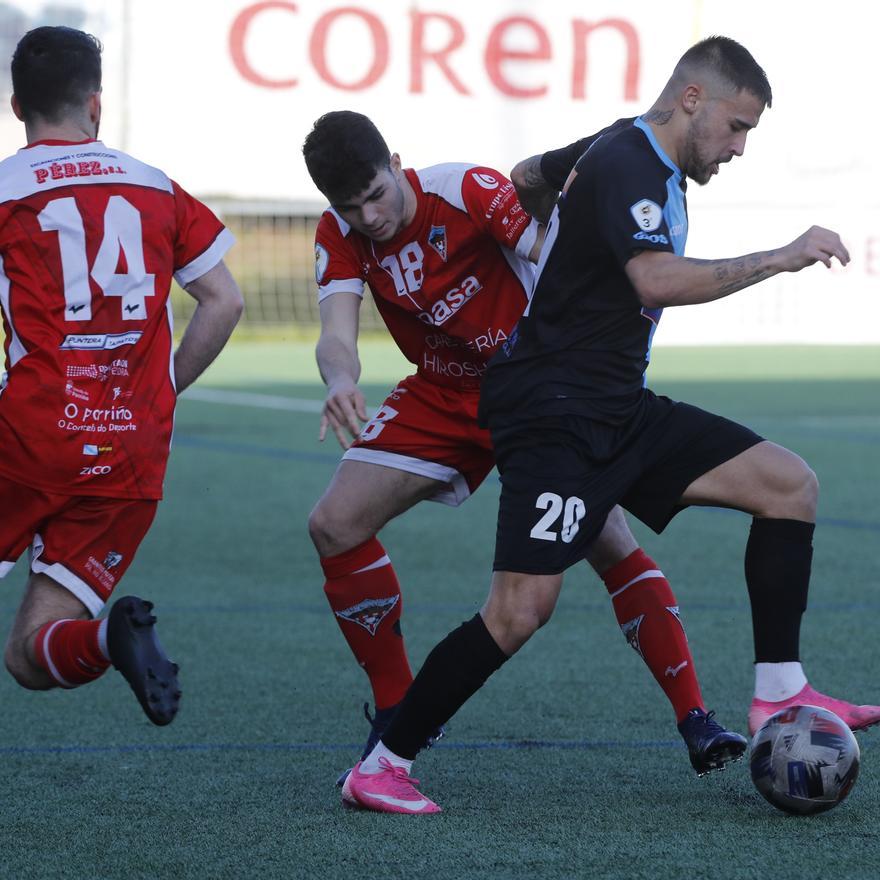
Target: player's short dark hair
pixel 732 62
pixel 344 151
pixel 55 69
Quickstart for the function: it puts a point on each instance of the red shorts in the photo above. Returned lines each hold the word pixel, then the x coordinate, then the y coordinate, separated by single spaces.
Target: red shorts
pixel 85 544
pixel 430 430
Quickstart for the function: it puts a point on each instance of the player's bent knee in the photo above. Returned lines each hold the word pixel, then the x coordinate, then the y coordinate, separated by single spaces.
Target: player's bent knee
pixel 24 672
pixel 330 533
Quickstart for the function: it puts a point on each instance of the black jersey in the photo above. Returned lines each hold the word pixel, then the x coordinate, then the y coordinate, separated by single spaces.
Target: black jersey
pixel 584 342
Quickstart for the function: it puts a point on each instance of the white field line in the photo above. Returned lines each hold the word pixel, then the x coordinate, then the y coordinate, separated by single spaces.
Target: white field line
pixel 260 401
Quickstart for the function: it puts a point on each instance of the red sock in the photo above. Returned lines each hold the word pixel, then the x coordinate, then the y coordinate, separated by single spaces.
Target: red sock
pixel 364 594
pixel 70 651
pixel 647 612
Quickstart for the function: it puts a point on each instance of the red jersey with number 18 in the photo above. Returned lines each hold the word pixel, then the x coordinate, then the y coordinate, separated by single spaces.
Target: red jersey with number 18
pixel 453 282
pixel 90 239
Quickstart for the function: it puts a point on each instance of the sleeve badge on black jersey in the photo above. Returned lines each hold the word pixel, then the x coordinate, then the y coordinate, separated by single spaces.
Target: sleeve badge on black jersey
pixel 321 260
pixel 437 240
pixel 647 214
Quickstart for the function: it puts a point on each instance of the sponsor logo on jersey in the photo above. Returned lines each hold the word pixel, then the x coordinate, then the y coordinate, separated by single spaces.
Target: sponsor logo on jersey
pixel 119 394
pixel 653 237
pixel 504 195
pixel 443 309
pixel 437 240
pixel 98 341
pixel 369 613
pixel 72 391
pixel 64 170
pixel 97 470
pixel 94 449
pixel 485 180
pixel 647 214
pixel 322 258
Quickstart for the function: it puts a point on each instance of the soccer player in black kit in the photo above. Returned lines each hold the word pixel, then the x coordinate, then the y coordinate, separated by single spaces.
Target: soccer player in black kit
pixel 576 430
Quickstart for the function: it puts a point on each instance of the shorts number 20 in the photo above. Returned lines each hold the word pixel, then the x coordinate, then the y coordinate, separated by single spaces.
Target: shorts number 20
pixel 572 511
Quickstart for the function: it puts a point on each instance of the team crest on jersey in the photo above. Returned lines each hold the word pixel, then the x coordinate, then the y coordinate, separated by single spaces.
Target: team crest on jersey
pixel 369 613
pixel 647 214
pixel 437 240
pixel 321 260
pixel 630 630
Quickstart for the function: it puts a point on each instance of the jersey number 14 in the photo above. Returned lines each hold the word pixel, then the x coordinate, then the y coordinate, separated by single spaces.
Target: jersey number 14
pixel 123 235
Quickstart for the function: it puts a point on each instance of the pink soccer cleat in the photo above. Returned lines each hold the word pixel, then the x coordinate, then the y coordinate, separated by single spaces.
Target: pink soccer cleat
pixel 391 790
pixel 856 717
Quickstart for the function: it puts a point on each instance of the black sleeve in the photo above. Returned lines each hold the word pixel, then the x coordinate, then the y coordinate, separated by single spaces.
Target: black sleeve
pixel 556 165
pixel 631 199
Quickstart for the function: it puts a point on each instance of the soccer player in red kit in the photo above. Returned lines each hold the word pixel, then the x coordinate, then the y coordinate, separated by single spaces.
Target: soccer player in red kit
pixel 447 252
pixel 90 239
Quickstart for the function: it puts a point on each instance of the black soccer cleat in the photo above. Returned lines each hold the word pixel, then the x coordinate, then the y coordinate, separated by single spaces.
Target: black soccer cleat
pixel 378 724
pixel 136 652
pixel 710 746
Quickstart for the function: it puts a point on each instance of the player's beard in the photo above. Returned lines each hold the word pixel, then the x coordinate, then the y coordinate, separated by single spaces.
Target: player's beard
pixel 696 166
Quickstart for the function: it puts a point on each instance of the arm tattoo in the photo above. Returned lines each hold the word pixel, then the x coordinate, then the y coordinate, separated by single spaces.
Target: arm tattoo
pixel 736 273
pixel 658 117
pixel 532 175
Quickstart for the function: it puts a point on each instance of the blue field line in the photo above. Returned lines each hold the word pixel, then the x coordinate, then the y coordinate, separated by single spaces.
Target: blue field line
pixel 333 458
pixel 582 745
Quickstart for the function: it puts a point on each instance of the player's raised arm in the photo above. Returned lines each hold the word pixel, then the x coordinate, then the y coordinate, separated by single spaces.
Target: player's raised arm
pixel 219 306
pixel 337 357
pixel 662 279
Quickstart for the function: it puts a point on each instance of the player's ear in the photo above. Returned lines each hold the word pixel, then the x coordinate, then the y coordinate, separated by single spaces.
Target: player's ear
pixel 16 108
pixel 95 106
pixel 690 98
pixel 395 163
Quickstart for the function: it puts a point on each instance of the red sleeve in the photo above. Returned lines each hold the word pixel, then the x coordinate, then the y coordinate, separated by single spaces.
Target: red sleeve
pixel 200 239
pixel 335 258
pixel 492 203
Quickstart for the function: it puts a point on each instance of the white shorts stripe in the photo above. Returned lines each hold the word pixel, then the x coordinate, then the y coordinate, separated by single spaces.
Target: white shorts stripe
pixel 453 493
pixel 66 579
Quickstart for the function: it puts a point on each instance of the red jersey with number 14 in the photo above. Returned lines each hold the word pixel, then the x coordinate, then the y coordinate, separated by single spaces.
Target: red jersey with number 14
pixel 90 239
pixel 453 282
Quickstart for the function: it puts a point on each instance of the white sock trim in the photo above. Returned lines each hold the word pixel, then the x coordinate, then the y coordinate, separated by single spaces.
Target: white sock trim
pixel 53 670
pixel 384 560
pixel 102 639
pixel 652 573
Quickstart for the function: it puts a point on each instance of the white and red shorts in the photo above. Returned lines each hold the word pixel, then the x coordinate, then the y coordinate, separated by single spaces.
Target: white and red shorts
pixel 429 430
pixel 85 544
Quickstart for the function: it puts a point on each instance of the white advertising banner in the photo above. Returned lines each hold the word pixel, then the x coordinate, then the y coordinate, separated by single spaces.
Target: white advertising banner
pixel 221 94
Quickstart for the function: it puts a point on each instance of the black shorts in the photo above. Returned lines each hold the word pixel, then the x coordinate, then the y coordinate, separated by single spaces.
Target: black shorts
pixel 561 475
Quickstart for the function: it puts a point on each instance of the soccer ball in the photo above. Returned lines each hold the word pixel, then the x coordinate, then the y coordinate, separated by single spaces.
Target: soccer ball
pixel 804 760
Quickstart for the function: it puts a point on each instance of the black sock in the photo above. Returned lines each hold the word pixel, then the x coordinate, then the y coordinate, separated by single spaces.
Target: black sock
pixel 778 558
pixel 453 672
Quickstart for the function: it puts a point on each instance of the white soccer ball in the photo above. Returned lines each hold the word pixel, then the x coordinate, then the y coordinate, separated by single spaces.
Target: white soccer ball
pixel 804 760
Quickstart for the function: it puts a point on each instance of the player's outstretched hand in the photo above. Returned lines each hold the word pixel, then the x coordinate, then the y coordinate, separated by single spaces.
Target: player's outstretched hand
pixel 345 410
pixel 816 245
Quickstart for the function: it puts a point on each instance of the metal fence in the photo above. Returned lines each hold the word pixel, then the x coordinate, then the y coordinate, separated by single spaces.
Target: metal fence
pixel 274 263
